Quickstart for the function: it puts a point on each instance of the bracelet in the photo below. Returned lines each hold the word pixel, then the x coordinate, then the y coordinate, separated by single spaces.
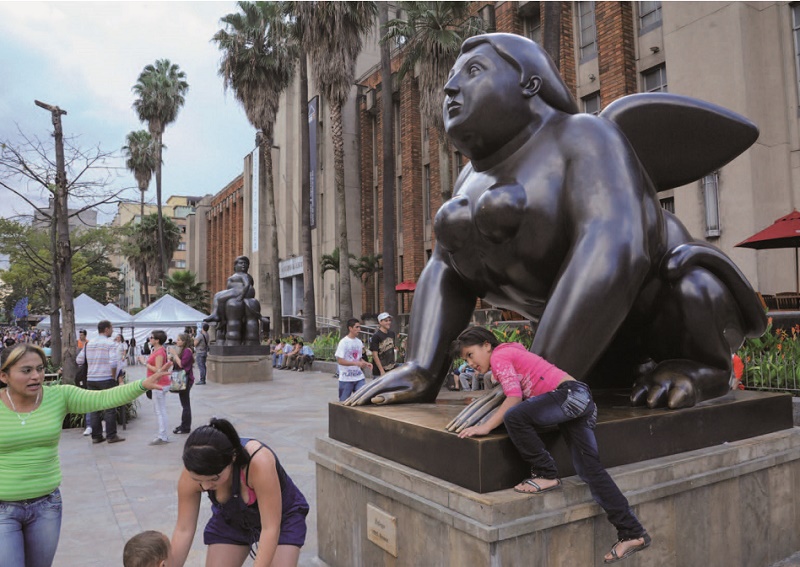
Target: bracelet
pixel 141 386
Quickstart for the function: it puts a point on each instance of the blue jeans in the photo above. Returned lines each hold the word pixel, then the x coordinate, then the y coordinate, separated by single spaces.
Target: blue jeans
pixel 571 408
pixel 201 364
pixel 29 531
pixel 110 415
pixel 347 388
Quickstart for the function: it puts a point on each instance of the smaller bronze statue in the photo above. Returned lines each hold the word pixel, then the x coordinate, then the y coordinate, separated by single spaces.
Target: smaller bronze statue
pixel 236 310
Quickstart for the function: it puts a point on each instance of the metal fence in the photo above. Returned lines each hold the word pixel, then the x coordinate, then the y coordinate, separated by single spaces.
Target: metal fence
pixel 768 373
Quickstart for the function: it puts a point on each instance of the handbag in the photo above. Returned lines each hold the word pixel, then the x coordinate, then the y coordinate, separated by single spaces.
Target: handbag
pixel 177 381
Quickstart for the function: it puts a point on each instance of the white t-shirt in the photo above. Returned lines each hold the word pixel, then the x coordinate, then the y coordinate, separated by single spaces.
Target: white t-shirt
pixel 350 350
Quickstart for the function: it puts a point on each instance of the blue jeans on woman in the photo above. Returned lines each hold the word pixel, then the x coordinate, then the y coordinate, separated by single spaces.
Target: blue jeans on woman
pixel 571 408
pixel 29 531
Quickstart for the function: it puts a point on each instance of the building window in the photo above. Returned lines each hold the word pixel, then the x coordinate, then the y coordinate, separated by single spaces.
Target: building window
pixel 649 16
pixel 398 139
pixel 796 33
pixel 375 142
pixel 181 246
pixel 587 33
pixel 180 264
pixel 426 194
pixel 710 185
pixel 400 268
pixel 458 164
pixel 668 204
pixel 655 80
pixel 591 104
pixel 532 23
pixel 183 229
pixel 375 221
pixel 399 204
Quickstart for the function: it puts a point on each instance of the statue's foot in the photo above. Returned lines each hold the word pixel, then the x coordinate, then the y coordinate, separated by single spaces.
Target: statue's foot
pixel 478 411
pixel 405 384
pixel 679 384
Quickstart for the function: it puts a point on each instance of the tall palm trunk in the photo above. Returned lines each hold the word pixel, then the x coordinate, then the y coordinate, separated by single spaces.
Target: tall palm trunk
pixel 309 301
pixel 162 268
pixel 267 186
pixel 144 264
pixel 389 231
pixel 345 293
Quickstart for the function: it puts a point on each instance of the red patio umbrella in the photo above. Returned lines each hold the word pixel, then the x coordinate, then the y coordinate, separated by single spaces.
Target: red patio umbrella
pixel 407 285
pixel 783 233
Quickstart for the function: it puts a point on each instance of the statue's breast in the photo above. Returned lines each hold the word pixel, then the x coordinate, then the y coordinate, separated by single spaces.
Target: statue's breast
pixel 496 216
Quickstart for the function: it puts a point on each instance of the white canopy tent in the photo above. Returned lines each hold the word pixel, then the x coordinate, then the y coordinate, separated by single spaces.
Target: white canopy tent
pixel 88 313
pixel 167 314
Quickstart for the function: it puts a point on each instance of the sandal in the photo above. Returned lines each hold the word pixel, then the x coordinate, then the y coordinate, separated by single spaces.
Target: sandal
pixel 631 550
pixel 539 490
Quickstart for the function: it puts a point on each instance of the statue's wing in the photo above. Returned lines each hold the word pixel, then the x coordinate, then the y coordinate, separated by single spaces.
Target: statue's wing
pixel 679 139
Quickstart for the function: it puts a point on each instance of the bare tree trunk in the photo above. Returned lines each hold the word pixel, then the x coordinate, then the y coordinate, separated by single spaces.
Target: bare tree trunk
pixel 267 186
pixel 162 255
pixel 55 319
pixel 389 233
pixel 345 292
pixel 309 300
pixel 551 35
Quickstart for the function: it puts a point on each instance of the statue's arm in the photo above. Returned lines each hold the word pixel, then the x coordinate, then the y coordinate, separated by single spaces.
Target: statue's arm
pixel 609 226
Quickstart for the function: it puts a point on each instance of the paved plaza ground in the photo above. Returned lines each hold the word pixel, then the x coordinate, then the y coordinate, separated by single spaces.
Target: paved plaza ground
pixel 112 492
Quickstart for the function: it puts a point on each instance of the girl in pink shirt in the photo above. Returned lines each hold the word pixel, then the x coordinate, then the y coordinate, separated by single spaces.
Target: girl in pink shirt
pixel 539 394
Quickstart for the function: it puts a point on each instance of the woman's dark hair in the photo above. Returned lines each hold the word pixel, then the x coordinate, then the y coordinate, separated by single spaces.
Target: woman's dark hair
pixel 473 336
pixel 160 336
pixel 210 448
pixel 10 356
pixel 187 342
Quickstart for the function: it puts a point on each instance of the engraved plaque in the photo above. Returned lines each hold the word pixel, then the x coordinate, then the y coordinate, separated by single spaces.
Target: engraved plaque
pixel 382 529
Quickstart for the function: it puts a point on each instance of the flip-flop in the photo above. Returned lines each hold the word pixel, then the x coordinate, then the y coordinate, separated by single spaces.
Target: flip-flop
pixel 539 489
pixel 631 550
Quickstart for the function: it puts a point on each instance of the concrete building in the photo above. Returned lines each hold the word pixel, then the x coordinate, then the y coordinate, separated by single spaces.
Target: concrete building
pixel 742 56
pixel 78 219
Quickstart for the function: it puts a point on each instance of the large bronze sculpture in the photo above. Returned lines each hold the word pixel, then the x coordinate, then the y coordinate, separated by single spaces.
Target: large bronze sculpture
pixel 557 217
pixel 236 310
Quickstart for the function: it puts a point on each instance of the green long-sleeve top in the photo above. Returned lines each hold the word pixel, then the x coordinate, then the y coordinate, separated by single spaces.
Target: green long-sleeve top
pixel 29 463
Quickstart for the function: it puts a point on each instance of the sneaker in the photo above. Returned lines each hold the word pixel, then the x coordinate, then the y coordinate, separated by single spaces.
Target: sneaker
pixel 115 439
pixel 97 440
pixel 158 441
pixel 178 430
pixel 87 432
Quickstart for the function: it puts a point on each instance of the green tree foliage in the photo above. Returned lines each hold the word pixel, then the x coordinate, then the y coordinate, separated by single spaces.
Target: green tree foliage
pixel 141 244
pixel 183 285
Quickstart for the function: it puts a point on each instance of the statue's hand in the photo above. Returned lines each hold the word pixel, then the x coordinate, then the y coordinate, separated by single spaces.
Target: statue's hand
pixel 408 383
pixel 478 411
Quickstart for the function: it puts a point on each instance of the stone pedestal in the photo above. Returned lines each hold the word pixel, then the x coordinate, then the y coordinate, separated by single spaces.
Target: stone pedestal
pixel 733 504
pixel 228 365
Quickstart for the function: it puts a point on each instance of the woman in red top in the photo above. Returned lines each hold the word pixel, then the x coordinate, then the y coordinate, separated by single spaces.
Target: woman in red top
pixel 156 360
pixel 539 394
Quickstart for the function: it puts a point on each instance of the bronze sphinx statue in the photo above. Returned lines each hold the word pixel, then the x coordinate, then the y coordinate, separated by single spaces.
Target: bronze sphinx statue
pixel 236 310
pixel 557 217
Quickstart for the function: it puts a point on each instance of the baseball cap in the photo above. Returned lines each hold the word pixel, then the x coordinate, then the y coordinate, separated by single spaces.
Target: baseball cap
pixel 383 316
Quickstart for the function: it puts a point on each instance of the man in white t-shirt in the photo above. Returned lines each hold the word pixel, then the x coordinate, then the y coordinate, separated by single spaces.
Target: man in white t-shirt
pixel 348 356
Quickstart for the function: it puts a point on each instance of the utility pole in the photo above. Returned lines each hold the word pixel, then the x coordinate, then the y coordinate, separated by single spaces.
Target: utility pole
pixel 63 257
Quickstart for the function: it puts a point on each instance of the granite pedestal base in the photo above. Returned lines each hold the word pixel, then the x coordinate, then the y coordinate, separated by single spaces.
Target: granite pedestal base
pixel 414 435
pixel 236 368
pixel 731 505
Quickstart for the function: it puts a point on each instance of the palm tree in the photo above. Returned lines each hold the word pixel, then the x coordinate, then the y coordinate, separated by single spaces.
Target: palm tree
pixel 433 33
pixel 333 34
pixel 142 246
pixel 366 267
pixel 141 153
pixel 160 90
pixel 183 285
pixel 258 64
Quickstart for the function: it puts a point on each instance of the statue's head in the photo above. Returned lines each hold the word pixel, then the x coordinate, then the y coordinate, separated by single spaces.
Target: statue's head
pixel 241 264
pixel 491 89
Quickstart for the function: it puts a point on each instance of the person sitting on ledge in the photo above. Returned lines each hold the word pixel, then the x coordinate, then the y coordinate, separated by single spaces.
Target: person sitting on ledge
pixel 306 356
pixel 552 398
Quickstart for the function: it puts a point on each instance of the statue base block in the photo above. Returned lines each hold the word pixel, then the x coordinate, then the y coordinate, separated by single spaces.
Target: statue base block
pixel 731 504
pixel 414 435
pixel 237 368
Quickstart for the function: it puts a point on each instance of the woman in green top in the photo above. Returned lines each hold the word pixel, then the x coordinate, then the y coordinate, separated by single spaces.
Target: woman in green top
pixel 31 416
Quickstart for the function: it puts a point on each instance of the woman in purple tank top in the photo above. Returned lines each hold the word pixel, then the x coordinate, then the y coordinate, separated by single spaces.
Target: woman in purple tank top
pixel 256 508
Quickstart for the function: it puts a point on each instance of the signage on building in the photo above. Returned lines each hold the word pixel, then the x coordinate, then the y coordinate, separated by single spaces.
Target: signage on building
pixel 290 267
pixel 313 120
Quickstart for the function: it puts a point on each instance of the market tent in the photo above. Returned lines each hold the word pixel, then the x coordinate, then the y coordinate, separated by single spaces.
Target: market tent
pixel 88 313
pixel 120 313
pixel 167 314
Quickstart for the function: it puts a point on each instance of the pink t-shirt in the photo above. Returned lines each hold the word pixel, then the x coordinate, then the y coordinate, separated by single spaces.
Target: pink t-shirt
pixel 523 374
pixel 164 380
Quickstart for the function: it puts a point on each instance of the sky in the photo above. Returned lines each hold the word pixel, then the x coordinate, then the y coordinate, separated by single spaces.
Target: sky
pixel 85 56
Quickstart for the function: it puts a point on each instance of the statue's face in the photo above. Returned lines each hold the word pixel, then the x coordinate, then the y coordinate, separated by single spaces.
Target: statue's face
pixel 240 265
pixel 484 106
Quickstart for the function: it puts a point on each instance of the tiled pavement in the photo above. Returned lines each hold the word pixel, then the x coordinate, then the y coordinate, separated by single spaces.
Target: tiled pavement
pixel 112 492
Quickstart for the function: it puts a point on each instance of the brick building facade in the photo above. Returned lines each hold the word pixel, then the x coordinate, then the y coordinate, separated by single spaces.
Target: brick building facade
pixel 225 233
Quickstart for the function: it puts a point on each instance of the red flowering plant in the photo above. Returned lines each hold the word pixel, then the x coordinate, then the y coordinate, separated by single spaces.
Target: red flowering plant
pixel 772 361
